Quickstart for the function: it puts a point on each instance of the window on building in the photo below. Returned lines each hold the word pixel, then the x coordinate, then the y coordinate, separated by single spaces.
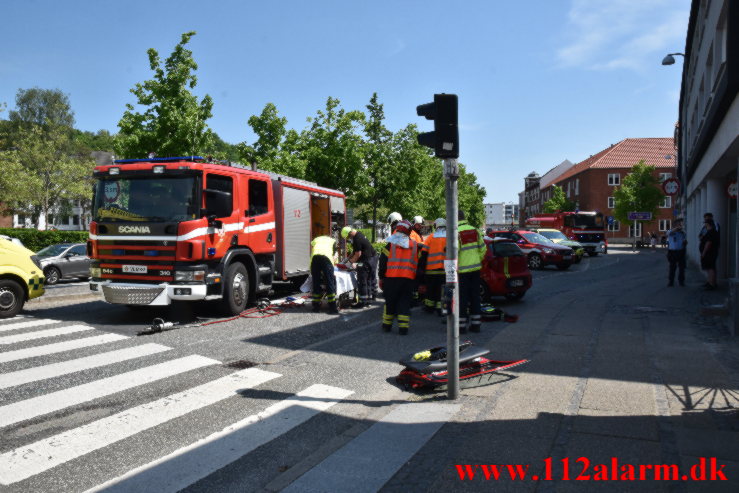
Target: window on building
pixel 666 202
pixel 577 186
pixel 664 176
pixel 568 189
pixel 611 202
pixel 615 226
pixel 664 224
pixel 635 230
pixel 21 220
pixel 65 220
pixel 76 220
pixel 614 179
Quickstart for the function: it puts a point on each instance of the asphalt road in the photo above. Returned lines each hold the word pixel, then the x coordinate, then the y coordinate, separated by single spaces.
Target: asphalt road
pixel 116 402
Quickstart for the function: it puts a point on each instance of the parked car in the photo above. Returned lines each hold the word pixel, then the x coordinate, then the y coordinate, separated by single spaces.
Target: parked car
pixel 559 238
pixel 21 278
pixel 64 261
pixel 504 271
pixel 539 250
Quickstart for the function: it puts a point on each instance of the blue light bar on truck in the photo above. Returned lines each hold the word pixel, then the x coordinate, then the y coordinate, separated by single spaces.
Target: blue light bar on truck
pixel 159 159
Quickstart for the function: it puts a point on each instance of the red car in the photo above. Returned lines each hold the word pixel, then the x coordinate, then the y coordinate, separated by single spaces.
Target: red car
pixel 539 250
pixel 504 271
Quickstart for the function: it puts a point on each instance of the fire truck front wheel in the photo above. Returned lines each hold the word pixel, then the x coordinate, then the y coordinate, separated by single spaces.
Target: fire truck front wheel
pixel 235 289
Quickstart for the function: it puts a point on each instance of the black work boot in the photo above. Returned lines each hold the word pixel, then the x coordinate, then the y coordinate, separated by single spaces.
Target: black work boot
pixel 387 327
pixel 316 307
pixel 332 308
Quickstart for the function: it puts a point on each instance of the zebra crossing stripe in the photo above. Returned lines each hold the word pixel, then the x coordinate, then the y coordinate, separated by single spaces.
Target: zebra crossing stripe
pixel 37 373
pixel 30 323
pixel 30 460
pixel 369 461
pixel 189 464
pixel 59 347
pixel 56 401
pixel 30 336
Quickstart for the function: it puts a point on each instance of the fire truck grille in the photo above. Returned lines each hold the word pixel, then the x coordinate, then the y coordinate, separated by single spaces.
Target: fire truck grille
pixel 129 295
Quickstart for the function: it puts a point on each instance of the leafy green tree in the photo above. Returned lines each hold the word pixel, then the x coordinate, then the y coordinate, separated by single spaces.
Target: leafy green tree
pixel 174 121
pixel 639 192
pixel 41 163
pixel 333 149
pixel 87 142
pixel 276 148
pixel 558 201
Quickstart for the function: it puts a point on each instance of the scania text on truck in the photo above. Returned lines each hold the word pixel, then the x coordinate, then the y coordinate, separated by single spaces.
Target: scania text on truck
pixel 587 228
pixel 185 229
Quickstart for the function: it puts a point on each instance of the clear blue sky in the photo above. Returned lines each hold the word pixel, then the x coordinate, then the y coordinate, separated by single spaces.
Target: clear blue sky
pixel 539 81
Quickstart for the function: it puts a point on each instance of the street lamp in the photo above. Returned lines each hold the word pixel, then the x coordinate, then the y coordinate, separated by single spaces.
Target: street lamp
pixel 669 59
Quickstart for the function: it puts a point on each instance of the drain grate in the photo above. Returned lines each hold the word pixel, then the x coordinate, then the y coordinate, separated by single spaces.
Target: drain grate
pixel 241 364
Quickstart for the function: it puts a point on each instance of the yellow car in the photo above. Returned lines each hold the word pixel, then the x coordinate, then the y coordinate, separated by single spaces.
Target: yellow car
pixel 559 237
pixel 21 278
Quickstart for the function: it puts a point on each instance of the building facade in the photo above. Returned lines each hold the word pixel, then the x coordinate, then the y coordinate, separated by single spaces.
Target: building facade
pixel 591 183
pixel 501 214
pixel 708 130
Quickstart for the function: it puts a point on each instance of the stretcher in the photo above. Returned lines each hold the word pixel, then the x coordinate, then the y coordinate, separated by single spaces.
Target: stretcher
pixel 428 369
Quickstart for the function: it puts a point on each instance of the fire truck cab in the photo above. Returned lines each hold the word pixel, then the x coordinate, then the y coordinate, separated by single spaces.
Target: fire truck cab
pixel 587 228
pixel 185 229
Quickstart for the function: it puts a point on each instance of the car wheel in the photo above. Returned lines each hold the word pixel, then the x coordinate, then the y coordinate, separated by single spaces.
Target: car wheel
pixel 515 296
pixel 578 259
pixel 12 298
pixel 535 261
pixel 563 266
pixel 485 293
pixel 52 275
pixel 235 289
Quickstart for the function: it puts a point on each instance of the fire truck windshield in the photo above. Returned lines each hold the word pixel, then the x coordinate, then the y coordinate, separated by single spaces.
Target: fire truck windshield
pixel 145 199
pixel 585 221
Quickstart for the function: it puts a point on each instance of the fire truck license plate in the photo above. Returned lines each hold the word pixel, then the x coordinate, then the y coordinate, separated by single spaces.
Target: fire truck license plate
pixel 135 269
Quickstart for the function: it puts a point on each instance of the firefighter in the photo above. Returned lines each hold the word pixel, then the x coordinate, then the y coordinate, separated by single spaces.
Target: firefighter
pixel 417 228
pixel 323 249
pixel 399 263
pixel 366 259
pixel 471 253
pixel 435 276
pixel 393 219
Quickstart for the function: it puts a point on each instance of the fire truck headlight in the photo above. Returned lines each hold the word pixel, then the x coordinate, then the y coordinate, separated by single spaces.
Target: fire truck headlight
pixel 96 272
pixel 114 171
pixel 158 169
pixel 189 275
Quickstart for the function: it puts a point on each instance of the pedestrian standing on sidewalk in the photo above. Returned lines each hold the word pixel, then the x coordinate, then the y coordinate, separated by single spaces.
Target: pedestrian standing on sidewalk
pixel 366 259
pixel 677 240
pixel 709 246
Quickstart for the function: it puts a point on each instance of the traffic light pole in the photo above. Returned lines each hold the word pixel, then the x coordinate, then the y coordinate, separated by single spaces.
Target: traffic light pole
pixel 451 173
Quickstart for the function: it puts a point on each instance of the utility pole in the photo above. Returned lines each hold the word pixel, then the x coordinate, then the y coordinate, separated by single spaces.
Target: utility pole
pixel 451 291
pixel 444 140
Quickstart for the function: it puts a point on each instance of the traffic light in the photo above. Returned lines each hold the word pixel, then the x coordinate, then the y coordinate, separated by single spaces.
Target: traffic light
pixel 444 140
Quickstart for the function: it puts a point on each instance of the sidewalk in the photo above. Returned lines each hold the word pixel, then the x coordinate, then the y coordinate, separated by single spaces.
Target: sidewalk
pixel 623 367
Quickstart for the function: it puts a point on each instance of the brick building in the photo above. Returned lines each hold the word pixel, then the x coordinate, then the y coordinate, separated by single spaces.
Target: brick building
pixel 590 183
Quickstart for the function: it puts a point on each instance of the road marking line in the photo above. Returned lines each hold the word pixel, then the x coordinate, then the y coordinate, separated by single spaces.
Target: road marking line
pixel 45 372
pixel 30 336
pixel 189 464
pixel 30 323
pixel 29 460
pixel 59 347
pixel 366 463
pixel 56 401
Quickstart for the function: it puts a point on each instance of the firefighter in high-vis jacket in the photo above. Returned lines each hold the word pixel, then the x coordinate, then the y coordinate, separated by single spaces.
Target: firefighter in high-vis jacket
pixel 322 272
pixel 399 263
pixel 435 276
pixel 471 253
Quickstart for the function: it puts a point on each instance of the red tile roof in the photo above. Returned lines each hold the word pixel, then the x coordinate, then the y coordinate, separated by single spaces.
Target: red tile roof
pixel 626 154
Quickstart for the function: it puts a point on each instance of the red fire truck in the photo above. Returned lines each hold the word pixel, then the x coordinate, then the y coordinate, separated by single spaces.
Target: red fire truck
pixel 587 228
pixel 185 229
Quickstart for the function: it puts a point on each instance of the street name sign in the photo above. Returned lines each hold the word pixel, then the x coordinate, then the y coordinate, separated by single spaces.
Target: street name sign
pixel 640 216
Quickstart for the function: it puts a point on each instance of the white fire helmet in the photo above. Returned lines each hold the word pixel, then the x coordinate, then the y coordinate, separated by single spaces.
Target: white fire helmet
pixel 394 217
pixel 440 223
pixel 417 220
